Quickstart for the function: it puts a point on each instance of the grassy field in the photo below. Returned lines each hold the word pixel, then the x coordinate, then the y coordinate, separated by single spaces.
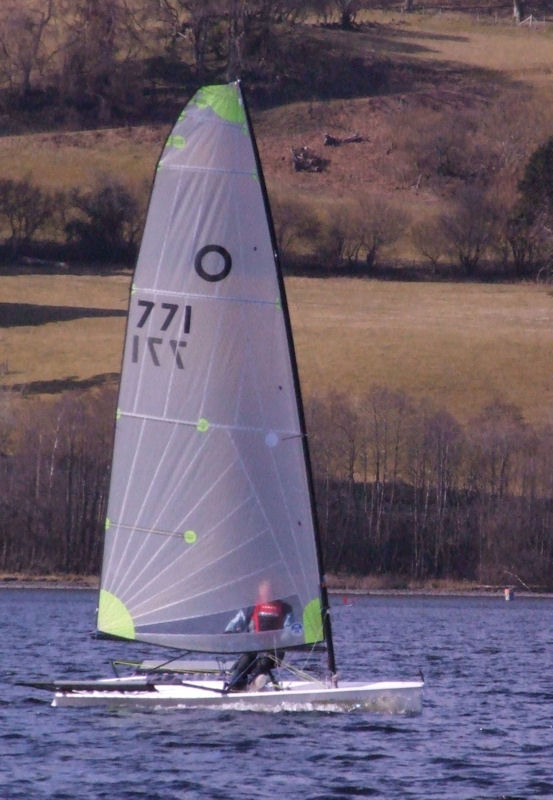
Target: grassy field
pixel 79 159
pixel 460 345
pixel 74 349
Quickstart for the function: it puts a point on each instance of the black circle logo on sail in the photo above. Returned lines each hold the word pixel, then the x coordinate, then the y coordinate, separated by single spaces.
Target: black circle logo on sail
pixel 222 265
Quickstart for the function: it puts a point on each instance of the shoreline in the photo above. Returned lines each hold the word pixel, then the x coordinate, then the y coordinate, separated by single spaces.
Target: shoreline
pixel 335 586
pixel 49 582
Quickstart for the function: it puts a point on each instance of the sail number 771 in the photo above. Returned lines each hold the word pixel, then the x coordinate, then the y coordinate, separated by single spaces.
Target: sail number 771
pixel 156 346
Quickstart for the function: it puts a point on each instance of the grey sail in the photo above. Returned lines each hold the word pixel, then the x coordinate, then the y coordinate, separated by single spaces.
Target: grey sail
pixel 209 497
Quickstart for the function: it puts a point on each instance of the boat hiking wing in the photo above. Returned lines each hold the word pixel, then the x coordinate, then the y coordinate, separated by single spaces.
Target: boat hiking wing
pixel 210 504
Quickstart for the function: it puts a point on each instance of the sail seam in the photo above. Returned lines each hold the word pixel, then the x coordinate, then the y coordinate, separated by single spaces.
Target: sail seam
pixel 213 170
pixel 285 435
pixel 141 529
pixel 197 296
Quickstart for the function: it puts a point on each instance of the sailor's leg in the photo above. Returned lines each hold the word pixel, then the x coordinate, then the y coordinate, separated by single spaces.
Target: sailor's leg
pixel 261 672
pixel 240 672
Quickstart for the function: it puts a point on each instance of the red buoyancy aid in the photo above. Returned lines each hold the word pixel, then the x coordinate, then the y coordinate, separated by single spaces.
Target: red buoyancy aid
pixel 268 616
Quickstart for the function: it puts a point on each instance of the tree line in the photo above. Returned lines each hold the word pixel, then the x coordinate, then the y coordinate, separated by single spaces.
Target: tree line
pixel 103 225
pixel 114 59
pixel 108 60
pixel 402 488
pixel 53 485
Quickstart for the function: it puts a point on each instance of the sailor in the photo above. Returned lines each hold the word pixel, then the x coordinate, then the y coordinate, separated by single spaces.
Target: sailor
pixel 252 670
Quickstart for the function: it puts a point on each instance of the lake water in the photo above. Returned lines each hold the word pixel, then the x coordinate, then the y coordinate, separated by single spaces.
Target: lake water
pixel 485 730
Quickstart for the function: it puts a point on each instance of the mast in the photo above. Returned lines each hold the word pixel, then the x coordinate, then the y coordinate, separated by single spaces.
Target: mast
pixel 327 626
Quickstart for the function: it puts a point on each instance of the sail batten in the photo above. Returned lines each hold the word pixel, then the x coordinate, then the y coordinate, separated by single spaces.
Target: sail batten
pixel 206 170
pixel 283 434
pixel 210 505
pixel 199 296
pixel 149 530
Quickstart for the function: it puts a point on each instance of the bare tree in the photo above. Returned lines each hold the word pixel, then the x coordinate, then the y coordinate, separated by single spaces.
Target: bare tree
pixel 237 31
pixel 497 435
pixel 348 10
pixel 226 29
pixel 101 41
pixel 429 240
pixel 470 227
pixel 322 9
pixel 383 225
pixel 434 453
pixel 334 447
pixel 329 242
pixel 26 208
pixel 518 10
pixel 343 237
pixel 294 223
pixel 529 241
pixel 351 223
pixel 6 418
pixel 383 421
pixel 197 20
pixel 53 487
pixel 22 47
pixel 249 29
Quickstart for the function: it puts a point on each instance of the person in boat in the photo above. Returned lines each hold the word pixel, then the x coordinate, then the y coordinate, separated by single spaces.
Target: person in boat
pixel 252 670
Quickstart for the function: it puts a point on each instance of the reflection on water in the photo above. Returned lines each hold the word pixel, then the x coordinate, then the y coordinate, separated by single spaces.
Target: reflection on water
pixel 485 730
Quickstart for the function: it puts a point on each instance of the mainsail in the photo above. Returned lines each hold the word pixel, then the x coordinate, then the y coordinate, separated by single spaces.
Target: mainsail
pixel 209 497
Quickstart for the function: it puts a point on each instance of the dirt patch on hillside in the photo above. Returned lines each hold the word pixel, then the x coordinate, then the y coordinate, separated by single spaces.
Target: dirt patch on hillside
pixel 377 163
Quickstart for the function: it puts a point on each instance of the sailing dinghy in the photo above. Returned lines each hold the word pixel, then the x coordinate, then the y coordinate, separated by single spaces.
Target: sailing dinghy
pixel 211 493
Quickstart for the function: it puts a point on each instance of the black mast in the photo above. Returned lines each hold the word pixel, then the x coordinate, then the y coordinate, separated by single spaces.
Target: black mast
pixel 327 627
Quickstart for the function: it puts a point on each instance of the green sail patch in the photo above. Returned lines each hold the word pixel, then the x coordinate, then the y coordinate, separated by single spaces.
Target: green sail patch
pixel 224 102
pixel 313 621
pixel 114 617
pixel 176 141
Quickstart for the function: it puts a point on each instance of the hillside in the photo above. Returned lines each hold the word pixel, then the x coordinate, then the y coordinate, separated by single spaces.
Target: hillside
pixel 414 87
pixel 434 73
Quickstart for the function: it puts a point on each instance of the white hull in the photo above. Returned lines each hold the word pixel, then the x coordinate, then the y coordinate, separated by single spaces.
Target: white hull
pixel 392 697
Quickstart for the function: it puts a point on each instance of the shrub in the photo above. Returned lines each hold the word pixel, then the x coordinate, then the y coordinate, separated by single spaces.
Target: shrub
pixel 382 227
pixel 108 222
pixel 470 227
pixel 428 238
pixel 529 228
pixel 536 185
pixel 26 209
pixel 296 226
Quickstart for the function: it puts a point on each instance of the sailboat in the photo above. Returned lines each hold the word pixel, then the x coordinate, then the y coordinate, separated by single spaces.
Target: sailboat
pixel 211 499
